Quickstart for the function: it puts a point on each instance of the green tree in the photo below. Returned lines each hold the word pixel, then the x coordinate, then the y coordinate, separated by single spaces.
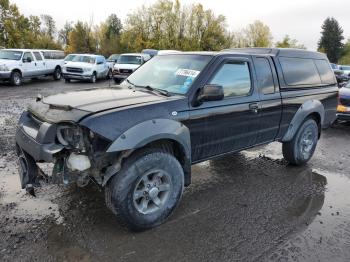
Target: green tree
pixel 63 34
pixel 258 35
pixel 168 25
pixel 48 26
pixel 81 39
pixel 345 59
pixel 109 36
pixel 331 39
pixel 288 42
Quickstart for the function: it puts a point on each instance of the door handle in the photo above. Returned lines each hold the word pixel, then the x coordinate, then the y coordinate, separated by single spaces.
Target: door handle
pixel 254 107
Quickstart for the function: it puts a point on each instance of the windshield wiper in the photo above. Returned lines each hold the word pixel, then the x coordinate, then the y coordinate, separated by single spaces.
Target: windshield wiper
pixel 151 89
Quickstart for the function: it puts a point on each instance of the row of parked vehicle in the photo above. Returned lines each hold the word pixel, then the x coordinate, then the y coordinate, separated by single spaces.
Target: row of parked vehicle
pixel 342 73
pixel 19 64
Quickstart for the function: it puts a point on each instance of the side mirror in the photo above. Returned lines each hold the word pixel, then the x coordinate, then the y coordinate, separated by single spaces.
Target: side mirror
pixel 27 60
pixel 211 93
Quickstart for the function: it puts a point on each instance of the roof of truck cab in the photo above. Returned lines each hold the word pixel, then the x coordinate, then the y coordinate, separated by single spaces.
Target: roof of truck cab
pixel 285 52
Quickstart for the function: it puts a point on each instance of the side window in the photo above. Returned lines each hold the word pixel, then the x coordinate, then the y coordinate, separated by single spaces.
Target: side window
pixel 327 75
pixel 299 71
pixel 99 60
pixel 47 55
pixel 264 75
pixel 26 55
pixel 234 77
pixel 37 56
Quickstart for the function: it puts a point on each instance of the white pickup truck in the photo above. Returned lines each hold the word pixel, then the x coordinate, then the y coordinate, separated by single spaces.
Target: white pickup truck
pixel 18 64
pixel 86 67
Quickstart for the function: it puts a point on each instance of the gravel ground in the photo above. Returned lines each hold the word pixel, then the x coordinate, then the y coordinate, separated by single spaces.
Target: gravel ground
pixel 249 206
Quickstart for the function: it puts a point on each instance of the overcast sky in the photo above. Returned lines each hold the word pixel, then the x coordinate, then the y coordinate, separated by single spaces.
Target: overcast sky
pixel 301 19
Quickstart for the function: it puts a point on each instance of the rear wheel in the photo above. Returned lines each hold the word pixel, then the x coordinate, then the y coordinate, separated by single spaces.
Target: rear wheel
pixel 301 148
pixel 110 74
pixel 146 190
pixel 57 74
pixel 16 78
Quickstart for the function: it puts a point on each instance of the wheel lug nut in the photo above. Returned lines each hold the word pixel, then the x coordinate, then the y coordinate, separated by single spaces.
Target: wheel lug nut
pixel 145 192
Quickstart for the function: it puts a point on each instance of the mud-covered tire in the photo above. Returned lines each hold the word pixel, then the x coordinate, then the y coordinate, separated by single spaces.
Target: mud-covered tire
pixel 301 148
pixel 57 74
pixel 121 189
pixel 16 78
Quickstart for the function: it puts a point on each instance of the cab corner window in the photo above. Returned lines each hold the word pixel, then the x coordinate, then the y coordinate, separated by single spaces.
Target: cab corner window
pixel 264 76
pixel 234 77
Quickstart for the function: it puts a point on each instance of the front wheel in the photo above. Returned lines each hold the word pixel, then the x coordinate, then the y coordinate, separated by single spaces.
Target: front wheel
pixel 67 80
pixel 301 148
pixel 93 78
pixel 16 78
pixel 146 190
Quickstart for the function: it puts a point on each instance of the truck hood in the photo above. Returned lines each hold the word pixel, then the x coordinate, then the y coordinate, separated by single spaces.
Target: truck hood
pixel 100 99
pixel 9 62
pixel 126 66
pixel 79 65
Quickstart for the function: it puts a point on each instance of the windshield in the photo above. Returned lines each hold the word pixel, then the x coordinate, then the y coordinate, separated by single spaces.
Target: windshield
pixel 69 57
pixel 173 73
pixel 334 66
pixel 113 58
pixel 10 55
pixel 129 59
pixel 345 68
pixel 84 59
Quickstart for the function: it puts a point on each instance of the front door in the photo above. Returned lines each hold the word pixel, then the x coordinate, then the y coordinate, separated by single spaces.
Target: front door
pixel 28 66
pixel 219 127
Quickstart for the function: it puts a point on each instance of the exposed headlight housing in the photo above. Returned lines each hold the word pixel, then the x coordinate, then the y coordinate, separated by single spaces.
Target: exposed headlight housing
pixel 71 136
pixel 4 68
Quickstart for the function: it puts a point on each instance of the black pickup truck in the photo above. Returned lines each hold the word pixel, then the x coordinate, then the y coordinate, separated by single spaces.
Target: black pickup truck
pixel 139 139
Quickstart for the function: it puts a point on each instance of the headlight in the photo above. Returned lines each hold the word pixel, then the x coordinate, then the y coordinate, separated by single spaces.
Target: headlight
pixel 70 136
pixel 4 68
pixel 87 69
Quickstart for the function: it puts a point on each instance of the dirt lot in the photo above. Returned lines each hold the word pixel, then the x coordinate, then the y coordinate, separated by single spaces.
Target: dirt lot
pixel 249 206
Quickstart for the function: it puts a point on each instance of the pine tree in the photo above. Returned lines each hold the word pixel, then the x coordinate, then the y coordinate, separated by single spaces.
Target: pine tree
pixel 331 39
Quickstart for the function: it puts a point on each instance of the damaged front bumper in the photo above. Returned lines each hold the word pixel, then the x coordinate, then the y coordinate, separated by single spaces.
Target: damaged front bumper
pixel 40 141
pixel 34 143
pixel 36 138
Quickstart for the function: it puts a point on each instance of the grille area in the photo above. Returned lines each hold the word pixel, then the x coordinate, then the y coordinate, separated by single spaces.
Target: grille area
pixel 125 71
pixel 74 70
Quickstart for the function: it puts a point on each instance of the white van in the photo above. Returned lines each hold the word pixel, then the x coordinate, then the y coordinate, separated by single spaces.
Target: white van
pixel 17 64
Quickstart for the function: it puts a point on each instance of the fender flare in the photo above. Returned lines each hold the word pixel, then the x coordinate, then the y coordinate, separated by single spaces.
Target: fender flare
pixel 153 130
pixel 307 108
pixel 17 69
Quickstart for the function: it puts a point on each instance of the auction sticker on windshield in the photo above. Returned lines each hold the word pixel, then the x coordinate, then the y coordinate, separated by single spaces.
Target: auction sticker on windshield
pixel 187 72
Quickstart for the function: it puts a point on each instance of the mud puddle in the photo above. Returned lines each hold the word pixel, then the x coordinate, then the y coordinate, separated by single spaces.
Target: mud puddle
pixel 327 237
